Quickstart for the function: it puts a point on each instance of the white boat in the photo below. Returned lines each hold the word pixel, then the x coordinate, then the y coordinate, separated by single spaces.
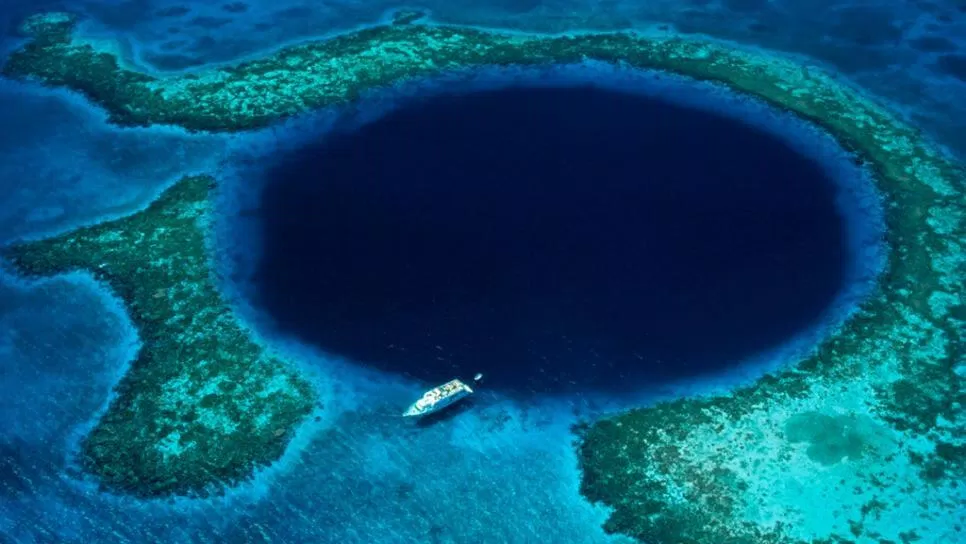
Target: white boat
pixel 439 397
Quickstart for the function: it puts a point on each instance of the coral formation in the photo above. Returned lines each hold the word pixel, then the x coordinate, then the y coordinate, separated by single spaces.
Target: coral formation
pixel 202 405
pixel 863 440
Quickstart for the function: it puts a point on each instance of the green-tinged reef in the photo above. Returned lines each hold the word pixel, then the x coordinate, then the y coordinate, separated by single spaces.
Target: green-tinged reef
pixel 202 406
pixel 864 441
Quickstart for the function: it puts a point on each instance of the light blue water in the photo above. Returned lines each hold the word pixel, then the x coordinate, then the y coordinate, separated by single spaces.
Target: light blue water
pixel 507 472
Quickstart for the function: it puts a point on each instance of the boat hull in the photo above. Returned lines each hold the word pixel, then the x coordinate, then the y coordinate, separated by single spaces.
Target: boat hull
pixel 438 398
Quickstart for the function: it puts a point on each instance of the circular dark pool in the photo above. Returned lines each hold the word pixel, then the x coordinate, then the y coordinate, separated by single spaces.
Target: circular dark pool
pixel 554 239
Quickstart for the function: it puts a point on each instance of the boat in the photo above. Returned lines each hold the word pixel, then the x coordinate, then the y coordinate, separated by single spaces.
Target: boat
pixel 440 397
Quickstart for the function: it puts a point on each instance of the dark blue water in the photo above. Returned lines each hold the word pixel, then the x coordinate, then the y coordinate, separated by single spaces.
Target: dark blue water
pixel 550 238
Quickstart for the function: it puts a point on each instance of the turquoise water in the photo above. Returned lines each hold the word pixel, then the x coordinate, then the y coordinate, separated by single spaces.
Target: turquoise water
pixel 502 470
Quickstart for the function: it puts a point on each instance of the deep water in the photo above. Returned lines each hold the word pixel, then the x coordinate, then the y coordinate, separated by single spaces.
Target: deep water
pixel 553 239
pixel 506 468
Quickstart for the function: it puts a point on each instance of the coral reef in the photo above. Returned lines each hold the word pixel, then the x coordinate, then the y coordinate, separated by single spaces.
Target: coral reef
pixel 202 405
pixel 863 441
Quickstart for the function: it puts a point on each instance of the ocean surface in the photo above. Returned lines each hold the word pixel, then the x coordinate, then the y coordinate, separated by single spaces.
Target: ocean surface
pixel 503 231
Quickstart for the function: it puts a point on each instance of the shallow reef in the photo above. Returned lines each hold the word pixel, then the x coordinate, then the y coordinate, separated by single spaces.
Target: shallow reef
pixel 202 406
pixel 865 440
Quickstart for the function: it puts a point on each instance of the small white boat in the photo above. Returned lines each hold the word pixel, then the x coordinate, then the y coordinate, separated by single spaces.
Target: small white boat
pixel 439 397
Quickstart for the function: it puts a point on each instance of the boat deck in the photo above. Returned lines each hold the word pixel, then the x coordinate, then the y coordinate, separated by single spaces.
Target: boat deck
pixel 438 398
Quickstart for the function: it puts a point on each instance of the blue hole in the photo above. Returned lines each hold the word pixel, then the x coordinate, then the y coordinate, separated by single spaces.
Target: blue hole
pixel 554 239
